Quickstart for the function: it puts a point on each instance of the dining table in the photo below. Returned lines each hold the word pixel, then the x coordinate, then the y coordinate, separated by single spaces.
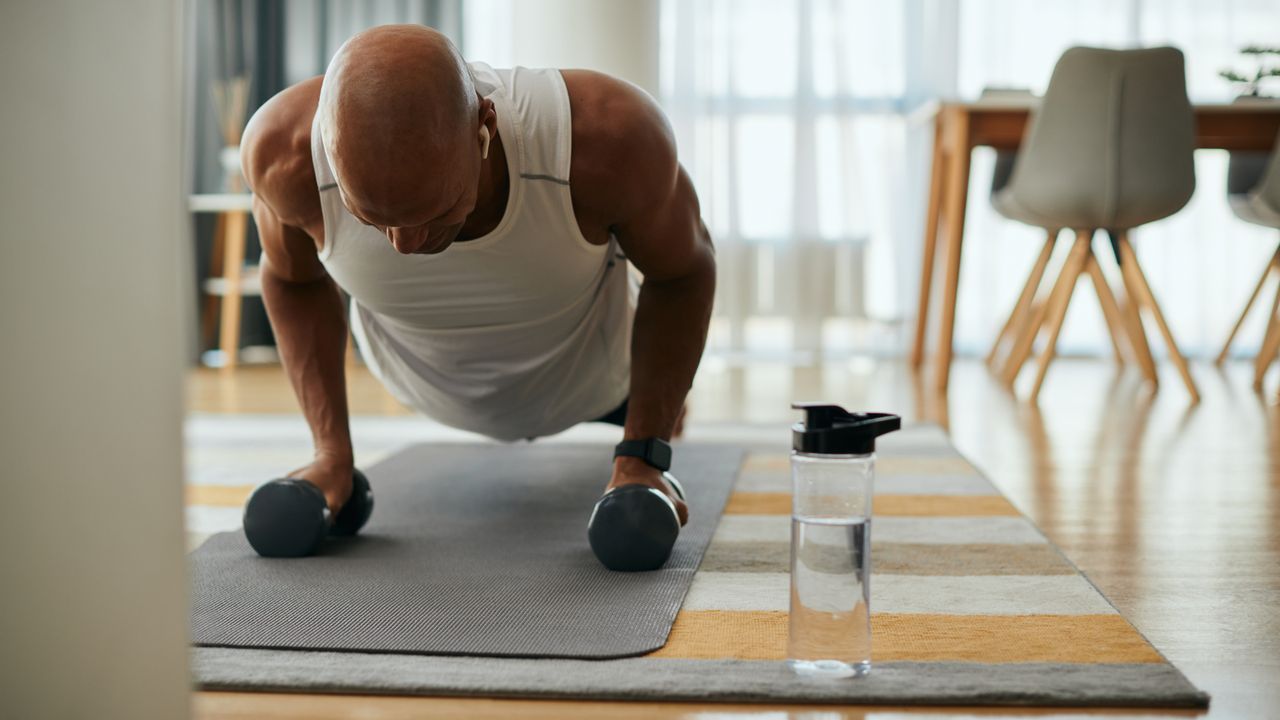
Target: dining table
pixel 1001 123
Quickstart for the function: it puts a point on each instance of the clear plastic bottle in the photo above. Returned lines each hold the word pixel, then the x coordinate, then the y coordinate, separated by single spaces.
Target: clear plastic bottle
pixel 832 474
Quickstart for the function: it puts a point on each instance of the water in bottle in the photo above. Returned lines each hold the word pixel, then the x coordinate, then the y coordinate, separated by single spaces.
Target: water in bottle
pixel 830 619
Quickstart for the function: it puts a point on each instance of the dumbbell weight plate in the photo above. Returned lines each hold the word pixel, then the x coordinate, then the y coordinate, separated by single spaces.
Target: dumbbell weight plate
pixel 290 517
pixel 634 527
pixel 355 513
pixel 286 518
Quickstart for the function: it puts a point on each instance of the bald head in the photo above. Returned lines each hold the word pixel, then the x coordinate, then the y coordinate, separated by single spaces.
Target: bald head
pixel 399 118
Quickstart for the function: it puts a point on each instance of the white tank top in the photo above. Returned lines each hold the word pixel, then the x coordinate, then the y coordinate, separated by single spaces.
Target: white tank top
pixel 520 333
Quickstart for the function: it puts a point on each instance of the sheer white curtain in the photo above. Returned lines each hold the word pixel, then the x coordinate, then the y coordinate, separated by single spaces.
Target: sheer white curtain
pixel 800 124
pixel 790 119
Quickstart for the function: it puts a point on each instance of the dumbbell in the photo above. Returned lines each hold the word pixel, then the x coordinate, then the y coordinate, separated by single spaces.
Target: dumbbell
pixel 633 527
pixel 289 517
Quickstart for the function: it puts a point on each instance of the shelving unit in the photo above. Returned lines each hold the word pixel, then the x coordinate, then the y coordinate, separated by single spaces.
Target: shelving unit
pixel 230 278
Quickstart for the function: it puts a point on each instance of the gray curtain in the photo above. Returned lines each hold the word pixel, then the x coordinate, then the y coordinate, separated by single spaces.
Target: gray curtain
pixel 275 44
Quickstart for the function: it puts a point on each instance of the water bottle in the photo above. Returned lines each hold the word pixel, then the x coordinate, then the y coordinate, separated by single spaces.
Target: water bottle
pixel 832 473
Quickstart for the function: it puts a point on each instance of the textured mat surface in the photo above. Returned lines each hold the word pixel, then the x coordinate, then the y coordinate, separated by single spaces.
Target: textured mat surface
pixel 472 550
pixel 971 604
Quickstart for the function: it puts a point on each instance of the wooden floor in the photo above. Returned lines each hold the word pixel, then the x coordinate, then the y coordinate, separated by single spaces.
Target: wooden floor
pixel 1173 511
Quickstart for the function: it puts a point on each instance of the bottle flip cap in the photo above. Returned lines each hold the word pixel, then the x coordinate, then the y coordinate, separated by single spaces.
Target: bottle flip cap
pixel 832 430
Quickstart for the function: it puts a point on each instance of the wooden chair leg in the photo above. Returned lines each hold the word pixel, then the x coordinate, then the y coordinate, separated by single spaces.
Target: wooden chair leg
pixel 1022 309
pixel 1107 300
pixel 1141 291
pixel 1270 342
pixel 1133 324
pixel 1024 341
pixel 1266 353
pixel 1056 310
pixel 1226 346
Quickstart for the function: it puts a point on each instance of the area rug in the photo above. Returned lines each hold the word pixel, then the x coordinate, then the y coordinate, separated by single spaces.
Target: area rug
pixel 971 605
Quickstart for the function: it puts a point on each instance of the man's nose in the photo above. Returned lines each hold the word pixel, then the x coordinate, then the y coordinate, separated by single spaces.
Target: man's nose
pixel 406 240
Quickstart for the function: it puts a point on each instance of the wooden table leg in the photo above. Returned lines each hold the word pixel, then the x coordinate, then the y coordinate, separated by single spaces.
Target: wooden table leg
pixel 233 269
pixel 955 197
pixel 931 218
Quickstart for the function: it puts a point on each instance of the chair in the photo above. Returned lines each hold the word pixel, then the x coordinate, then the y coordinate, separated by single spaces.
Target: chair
pixel 1001 173
pixel 1110 149
pixel 1253 190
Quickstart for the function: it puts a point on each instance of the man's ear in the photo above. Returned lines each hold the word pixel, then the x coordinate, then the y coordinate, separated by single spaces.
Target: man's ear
pixel 488 116
pixel 488 126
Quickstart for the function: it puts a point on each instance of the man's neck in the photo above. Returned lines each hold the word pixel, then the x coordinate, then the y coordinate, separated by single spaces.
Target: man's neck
pixel 491 196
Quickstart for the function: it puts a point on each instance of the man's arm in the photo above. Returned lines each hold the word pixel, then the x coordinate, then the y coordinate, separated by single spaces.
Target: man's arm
pixel 302 301
pixel 671 247
pixel 309 322
pixel 633 179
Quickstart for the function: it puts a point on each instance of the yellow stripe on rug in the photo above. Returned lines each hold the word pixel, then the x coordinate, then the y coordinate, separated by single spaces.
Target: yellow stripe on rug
pixel 739 503
pixel 885 505
pixel 218 495
pixel 762 635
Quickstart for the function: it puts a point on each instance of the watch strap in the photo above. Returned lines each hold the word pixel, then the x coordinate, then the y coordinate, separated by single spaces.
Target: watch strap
pixel 654 451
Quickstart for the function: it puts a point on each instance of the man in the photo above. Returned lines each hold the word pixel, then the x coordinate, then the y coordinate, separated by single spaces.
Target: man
pixel 481 221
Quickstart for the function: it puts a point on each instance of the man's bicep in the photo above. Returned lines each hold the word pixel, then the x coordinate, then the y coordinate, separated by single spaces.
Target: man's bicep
pixel 666 239
pixel 288 252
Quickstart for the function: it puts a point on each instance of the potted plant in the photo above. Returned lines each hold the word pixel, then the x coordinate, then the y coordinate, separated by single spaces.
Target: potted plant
pixel 1266 65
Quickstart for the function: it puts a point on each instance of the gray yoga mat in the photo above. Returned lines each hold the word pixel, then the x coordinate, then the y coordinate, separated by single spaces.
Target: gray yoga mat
pixel 473 549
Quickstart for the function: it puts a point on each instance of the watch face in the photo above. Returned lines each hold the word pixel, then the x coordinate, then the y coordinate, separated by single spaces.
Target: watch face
pixel 659 454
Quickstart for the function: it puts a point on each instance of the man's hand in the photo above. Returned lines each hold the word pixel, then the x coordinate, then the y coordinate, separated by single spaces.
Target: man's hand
pixel 633 470
pixel 333 476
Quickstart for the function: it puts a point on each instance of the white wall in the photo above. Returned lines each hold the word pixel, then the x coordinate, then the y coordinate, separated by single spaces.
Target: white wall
pixel 619 37
pixel 93 609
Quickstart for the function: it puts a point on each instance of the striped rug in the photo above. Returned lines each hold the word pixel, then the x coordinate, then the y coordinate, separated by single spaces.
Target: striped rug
pixel 971 604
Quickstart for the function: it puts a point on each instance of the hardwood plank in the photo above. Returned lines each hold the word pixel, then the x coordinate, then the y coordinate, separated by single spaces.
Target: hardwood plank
pixel 246 706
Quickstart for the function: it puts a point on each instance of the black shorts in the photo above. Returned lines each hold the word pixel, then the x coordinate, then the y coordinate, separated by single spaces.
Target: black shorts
pixel 616 416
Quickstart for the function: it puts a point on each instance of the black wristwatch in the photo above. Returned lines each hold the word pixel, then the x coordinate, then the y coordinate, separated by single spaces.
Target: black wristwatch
pixel 654 451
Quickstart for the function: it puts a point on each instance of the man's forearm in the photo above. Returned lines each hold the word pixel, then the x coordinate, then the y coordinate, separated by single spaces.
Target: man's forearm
pixel 668 337
pixel 310 326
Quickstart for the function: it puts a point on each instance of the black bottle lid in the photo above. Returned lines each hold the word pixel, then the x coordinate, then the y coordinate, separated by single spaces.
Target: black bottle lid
pixel 832 430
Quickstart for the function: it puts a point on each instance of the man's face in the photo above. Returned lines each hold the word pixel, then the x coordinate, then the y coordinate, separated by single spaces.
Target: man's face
pixel 421 214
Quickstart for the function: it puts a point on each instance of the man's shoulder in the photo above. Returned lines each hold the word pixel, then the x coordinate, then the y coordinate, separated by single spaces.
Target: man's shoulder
pixel 275 153
pixel 623 145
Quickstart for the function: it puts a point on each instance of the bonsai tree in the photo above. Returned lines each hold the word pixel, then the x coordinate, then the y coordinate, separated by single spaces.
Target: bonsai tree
pixel 1266 67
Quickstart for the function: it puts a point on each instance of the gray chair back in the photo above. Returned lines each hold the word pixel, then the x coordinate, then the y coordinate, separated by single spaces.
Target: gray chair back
pixel 1261 203
pixel 1244 170
pixel 1111 145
